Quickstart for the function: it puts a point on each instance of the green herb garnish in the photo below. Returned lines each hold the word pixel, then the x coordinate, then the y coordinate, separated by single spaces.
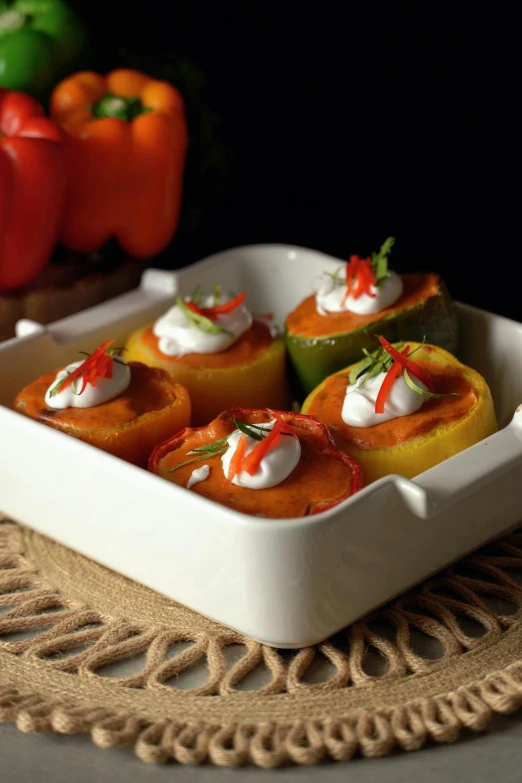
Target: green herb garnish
pixel 379 261
pixel 336 276
pixel 373 364
pixel 201 321
pixel 380 361
pixel 249 429
pixel 424 392
pixel 196 295
pixel 421 345
pixel 218 447
pixel 111 352
pixel 56 388
pixel 205 451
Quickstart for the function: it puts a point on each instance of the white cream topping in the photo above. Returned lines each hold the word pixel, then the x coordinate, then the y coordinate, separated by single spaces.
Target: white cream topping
pixel 178 335
pixel 106 388
pixel 329 297
pixel 359 402
pixel 276 465
pixel 197 475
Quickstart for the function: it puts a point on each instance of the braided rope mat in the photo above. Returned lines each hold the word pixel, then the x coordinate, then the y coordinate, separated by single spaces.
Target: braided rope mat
pixel 85 650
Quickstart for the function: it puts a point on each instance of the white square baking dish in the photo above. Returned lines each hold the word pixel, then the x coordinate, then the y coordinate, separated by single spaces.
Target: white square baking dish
pixel 287 583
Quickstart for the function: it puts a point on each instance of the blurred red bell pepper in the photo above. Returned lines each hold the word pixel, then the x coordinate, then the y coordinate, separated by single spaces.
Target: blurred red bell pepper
pixel 32 188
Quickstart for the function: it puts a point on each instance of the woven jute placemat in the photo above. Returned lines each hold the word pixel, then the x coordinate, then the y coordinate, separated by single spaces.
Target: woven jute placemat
pixel 83 649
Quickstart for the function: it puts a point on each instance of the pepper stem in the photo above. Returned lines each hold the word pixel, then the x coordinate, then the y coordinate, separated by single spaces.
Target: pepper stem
pixel 11 21
pixel 115 106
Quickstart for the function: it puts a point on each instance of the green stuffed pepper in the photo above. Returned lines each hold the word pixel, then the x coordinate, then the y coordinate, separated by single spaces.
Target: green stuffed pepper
pixel 40 42
pixel 354 304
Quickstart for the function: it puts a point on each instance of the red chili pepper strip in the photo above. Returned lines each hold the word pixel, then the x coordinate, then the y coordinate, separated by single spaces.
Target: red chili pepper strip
pixel 106 364
pixel 87 367
pixel 369 277
pixel 226 307
pixel 253 460
pixel 195 309
pixel 237 458
pixel 100 368
pixel 351 275
pixel 213 312
pixel 351 270
pixel 359 278
pixel 412 367
pixel 389 379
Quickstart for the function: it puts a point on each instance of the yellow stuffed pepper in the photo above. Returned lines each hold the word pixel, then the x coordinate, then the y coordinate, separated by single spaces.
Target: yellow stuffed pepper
pixel 216 348
pixel 404 408
pixel 123 408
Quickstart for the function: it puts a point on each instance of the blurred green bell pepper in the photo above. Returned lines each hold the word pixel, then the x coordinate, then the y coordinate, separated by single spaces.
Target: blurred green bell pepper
pixel 41 41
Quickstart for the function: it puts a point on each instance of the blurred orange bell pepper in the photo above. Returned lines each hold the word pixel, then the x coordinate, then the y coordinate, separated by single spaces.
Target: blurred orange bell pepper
pixel 128 143
pixel 32 188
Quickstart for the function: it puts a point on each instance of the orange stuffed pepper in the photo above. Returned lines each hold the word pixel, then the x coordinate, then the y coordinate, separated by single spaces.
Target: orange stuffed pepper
pixel 123 408
pixel 261 462
pixel 225 356
pixel 128 143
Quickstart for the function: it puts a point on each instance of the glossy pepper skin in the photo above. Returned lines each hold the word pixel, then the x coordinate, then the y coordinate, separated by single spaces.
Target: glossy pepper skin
pixel 433 317
pixel 260 381
pixel 128 143
pixel 39 41
pixel 427 447
pixel 32 188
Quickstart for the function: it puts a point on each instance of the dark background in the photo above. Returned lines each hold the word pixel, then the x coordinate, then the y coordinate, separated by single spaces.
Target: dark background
pixel 340 127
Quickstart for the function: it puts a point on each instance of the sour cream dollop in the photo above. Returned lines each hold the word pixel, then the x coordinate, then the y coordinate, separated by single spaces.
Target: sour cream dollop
pixel 197 475
pixel 178 335
pixel 106 388
pixel 329 297
pixel 275 466
pixel 359 401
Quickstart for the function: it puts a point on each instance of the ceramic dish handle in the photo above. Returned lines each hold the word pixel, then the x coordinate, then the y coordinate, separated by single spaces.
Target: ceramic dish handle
pixel 449 482
pixel 157 289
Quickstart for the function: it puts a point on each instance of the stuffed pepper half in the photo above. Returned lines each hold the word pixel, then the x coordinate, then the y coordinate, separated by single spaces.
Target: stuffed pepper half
pixel 123 408
pixel 404 408
pixel 222 354
pixel 261 462
pixel 328 330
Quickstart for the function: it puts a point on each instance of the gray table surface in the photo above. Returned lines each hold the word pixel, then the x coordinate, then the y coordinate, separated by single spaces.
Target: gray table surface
pixel 50 758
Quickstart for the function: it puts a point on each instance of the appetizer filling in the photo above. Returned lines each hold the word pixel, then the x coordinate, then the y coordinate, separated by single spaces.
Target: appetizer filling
pixel 368 286
pixel 202 324
pixel 386 385
pixel 254 456
pixel 100 377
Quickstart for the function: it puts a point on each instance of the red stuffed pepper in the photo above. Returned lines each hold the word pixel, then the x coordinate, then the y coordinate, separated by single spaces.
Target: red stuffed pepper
pixel 262 462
